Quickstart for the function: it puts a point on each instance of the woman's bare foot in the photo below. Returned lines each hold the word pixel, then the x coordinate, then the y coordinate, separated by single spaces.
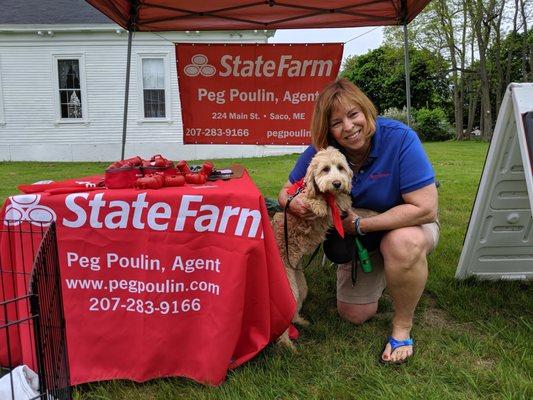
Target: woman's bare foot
pixel 401 353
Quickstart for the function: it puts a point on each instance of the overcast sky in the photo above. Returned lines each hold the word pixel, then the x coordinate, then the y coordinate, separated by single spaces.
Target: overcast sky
pixel 371 38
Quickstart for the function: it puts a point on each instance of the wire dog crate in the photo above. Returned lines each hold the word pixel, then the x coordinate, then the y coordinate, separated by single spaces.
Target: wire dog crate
pixel 32 325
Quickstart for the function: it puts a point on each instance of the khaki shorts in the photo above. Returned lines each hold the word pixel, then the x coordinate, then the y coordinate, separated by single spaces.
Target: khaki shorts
pixel 370 286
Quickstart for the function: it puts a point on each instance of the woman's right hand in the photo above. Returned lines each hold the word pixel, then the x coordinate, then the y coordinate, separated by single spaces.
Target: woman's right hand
pixel 298 207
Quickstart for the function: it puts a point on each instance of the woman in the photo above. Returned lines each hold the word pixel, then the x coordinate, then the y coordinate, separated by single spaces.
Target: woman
pixel 393 176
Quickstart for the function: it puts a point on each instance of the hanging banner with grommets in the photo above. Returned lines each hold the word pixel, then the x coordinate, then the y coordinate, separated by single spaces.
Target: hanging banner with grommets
pixel 252 93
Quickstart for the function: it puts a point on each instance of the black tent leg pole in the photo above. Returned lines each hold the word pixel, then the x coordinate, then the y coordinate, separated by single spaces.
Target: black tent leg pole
pixel 407 73
pixel 126 96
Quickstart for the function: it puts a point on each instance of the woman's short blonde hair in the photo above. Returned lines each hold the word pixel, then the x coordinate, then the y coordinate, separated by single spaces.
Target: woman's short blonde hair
pixel 339 94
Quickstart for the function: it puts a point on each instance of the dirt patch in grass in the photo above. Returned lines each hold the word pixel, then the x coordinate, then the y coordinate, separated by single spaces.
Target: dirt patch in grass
pixel 436 318
pixel 484 363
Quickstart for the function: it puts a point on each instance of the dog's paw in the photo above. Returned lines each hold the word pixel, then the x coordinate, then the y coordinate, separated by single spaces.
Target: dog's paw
pixel 285 342
pixel 301 321
pixel 282 345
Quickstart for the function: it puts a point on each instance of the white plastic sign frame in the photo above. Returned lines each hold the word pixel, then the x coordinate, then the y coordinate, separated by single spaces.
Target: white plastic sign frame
pixel 499 240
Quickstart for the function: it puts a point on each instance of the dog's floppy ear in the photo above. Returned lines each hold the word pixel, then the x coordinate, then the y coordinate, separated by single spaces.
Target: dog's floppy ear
pixel 310 184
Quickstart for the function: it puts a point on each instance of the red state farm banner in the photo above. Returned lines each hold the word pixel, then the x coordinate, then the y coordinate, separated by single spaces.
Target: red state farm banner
pixel 182 281
pixel 252 93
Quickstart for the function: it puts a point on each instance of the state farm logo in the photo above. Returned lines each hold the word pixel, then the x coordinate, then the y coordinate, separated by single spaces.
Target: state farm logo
pixel 284 65
pixel 199 66
pixel 26 207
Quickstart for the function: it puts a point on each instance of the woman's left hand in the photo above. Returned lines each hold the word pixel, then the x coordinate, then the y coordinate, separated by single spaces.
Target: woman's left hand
pixel 347 223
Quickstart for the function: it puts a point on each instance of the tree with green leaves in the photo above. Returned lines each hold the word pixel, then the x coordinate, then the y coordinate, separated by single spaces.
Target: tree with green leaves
pixel 380 74
pixel 475 38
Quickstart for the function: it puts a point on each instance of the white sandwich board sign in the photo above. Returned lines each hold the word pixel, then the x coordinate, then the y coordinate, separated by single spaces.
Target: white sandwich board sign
pixel 499 240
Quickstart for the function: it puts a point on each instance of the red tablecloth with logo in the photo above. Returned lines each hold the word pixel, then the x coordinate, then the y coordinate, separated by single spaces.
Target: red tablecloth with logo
pixel 181 281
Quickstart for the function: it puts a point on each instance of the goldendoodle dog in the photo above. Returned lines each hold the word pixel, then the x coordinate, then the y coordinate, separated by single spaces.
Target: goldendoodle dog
pixel 328 174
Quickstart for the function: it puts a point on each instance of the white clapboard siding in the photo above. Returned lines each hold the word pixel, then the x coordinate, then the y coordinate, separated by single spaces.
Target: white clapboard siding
pixel 29 130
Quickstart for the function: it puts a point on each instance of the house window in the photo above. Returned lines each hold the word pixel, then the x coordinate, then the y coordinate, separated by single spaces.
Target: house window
pixel 70 98
pixel 2 120
pixel 153 79
pixel 70 90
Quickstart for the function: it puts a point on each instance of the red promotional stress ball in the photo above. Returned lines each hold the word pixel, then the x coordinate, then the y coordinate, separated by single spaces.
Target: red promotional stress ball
pixel 207 168
pixel 157 161
pixel 183 167
pixel 185 175
pixel 130 162
pixel 153 181
pixel 174 180
pixel 197 179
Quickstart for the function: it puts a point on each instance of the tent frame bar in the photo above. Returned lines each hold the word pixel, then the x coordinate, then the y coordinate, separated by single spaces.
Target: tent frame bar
pixel 126 95
pixel 407 73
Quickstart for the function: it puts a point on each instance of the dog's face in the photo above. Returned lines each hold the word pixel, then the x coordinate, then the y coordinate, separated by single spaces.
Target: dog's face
pixel 328 172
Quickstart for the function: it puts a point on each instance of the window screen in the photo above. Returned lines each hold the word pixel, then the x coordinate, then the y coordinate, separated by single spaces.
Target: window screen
pixel 153 87
pixel 69 88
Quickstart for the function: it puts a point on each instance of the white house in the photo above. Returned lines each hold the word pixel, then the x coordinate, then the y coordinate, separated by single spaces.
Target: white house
pixel 62 81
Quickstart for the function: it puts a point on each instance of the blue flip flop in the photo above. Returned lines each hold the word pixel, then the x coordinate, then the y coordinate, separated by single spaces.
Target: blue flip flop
pixel 394 345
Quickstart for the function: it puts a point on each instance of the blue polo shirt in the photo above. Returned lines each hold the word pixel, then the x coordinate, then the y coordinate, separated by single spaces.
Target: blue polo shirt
pixel 397 164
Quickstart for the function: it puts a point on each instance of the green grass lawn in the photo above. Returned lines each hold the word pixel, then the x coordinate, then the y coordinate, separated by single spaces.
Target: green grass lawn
pixel 473 339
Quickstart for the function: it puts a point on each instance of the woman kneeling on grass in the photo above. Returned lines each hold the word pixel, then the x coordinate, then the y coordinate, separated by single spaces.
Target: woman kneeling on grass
pixel 393 176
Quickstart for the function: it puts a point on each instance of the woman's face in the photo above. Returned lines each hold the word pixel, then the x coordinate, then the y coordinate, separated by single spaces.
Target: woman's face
pixel 347 126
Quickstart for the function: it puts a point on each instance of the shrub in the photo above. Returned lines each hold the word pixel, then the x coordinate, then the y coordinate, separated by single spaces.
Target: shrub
pixel 397 114
pixel 401 115
pixel 433 125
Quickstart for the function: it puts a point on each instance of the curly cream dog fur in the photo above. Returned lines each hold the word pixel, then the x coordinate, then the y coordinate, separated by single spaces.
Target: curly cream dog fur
pixel 328 172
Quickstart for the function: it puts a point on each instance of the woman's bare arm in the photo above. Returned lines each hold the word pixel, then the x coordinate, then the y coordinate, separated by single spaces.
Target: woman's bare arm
pixel 420 207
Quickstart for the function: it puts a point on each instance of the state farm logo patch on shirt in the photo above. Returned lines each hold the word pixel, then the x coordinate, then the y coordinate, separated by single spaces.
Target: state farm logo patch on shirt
pixel 379 175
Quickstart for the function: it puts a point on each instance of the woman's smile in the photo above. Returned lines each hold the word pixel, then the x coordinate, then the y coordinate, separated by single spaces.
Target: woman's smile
pixel 354 136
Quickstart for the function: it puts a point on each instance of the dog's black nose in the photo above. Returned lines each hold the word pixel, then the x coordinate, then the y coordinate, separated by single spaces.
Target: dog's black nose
pixel 336 184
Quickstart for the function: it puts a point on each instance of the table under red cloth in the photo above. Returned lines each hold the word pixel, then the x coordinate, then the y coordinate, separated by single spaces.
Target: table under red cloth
pixel 182 281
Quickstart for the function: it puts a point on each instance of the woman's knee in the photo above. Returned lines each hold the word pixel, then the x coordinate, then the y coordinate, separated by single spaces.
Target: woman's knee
pixel 357 313
pixel 404 246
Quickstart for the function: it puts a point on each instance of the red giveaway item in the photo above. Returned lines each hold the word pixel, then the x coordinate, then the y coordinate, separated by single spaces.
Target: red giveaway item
pixel 197 179
pixel 183 167
pixel 116 164
pixel 133 161
pixel 207 168
pixel 160 176
pixel 174 180
pixel 130 162
pixel 159 161
pixel 152 169
pixel 154 181
pixel 122 178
